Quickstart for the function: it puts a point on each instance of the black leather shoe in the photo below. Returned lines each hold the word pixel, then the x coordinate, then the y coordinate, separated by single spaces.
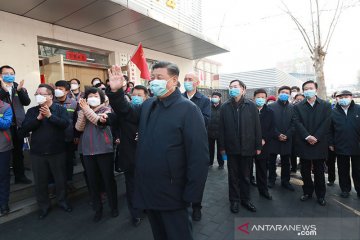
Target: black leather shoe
pixel 305 197
pixel 196 215
pixel 322 201
pixel 287 186
pixel 136 221
pixel 266 195
pixel 330 184
pixel 344 194
pixel 234 207
pixel 271 184
pixel 98 216
pixel 221 167
pixel 114 213
pixel 4 210
pixel 22 180
pixel 249 206
pixel 66 207
pixel 43 213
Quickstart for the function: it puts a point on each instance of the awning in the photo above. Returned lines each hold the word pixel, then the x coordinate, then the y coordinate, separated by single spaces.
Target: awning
pixel 131 24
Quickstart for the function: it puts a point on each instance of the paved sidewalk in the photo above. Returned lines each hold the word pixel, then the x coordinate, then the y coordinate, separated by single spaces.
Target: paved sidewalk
pixel 217 222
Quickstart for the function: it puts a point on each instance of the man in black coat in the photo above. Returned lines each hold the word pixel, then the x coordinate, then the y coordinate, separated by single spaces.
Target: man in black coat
pixel 17 96
pixel 240 138
pixel 345 132
pixel 312 121
pixel 191 81
pixel 172 154
pixel 268 131
pixel 213 129
pixel 281 143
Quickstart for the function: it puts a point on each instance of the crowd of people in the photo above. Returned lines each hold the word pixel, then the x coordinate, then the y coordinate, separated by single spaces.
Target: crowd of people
pixel 164 142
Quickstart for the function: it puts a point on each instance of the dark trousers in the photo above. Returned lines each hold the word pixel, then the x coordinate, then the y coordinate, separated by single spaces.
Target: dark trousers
pixel 293 156
pixel 99 167
pixel 285 168
pixel 261 174
pixel 17 152
pixel 42 165
pixel 70 154
pixel 129 183
pixel 212 151
pixel 5 158
pixel 330 163
pixel 170 225
pixel 239 177
pixel 344 172
pixel 319 177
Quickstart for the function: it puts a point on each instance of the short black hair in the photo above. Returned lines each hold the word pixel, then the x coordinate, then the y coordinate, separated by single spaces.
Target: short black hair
pixel 63 83
pixel 95 90
pixel 6 66
pixel 216 94
pixel 242 84
pixel 128 84
pixel 295 88
pixel 95 78
pixel 299 94
pixel 284 88
pixel 260 90
pixel 48 87
pixel 75 79
pixel 309 81
pixel 172 68
pixel 141 87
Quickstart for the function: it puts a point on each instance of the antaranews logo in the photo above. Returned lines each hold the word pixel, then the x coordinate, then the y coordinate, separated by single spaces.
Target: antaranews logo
pixel 299 229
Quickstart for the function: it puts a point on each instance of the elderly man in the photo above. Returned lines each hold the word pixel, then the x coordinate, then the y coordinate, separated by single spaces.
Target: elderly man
pixel 172 154
pixel 345 141
pixel 191 82
pixel 48 122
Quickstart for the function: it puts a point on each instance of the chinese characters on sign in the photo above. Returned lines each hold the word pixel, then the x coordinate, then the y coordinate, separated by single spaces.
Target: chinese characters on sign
pixel 76 56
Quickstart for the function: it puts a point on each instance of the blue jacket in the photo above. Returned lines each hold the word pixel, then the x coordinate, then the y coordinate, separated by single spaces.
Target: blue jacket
pixel 345 130
pixel 203 103
pixel 172 154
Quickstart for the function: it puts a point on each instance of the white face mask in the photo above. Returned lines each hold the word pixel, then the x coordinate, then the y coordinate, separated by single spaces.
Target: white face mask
pixel 59 93
pixel 74 86
pixel 40 99
pixel 93 101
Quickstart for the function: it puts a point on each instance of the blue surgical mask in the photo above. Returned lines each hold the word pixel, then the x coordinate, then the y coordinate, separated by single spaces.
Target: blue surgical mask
pixel 283 97
pixel 136 100
pixel 188 86
pixel 344 102
pixel 8 78
pixel 310 93
pixel 215 100
pixel 234 92
pixel 158 87
pixel 260 102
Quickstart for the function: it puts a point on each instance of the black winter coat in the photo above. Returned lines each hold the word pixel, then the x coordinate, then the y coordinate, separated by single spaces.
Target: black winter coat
pixel 314 121
pixel 283 120
pixel 240 130
pixel 214 124
pixel 172 155
pixel 267 129
pixel 345 130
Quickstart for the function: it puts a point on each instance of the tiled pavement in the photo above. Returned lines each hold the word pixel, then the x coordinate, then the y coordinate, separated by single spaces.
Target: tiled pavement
pixel 217 222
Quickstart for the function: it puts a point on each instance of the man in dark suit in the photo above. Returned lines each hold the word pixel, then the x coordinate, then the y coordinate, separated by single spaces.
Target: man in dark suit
pixel 240 138
pixel 312 120
pixel 191 81
pixel 172 155
pixel 281 143
pixel 345 138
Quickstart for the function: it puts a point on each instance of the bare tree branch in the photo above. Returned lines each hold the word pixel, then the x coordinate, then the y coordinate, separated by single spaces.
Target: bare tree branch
pixel 318 22
pixel 312 22
pixel 300 28
pixel 333 24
